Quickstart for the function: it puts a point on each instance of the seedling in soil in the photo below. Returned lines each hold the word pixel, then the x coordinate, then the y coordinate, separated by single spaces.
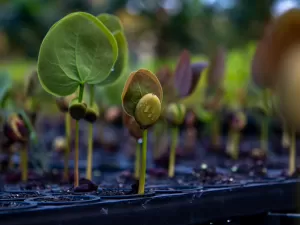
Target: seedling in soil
pixel 275 66
pixel 78 50
pixel 141 99
pixel 115 27
pixel 184 78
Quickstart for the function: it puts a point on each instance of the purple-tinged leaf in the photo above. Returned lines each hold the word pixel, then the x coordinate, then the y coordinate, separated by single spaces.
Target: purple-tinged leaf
pixel 216 70
pixel 183 74
pixel 197 69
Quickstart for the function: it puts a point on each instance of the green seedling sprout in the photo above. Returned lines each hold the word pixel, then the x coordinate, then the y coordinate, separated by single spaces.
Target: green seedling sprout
pixel 77 50
pixel 141 99
pixel 275 66
pixel 184 77
pixel 115 27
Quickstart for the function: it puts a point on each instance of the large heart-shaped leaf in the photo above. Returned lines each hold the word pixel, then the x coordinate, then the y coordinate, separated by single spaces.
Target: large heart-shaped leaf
pixel 114 25
pixel 138 84
pixel 78 49
pixel 183 74
pixel 5 86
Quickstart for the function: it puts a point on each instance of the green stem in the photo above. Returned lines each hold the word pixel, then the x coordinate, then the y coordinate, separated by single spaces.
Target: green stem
pixel 264 135
pixel 76 158
pixel 233 142
pixel 292 158
pixel 143 164
pixel 216 132
pixel 285 141
pixel 68 147
pixel 90 139
pixel 137 160
pixel 24 164
pixel 81 90
pixel 174 139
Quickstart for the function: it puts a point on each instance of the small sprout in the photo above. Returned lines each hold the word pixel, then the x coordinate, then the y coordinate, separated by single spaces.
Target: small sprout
pixel 141 98
pixel 77 109
pixel 63 102
pixel 15 129
pixel 175 113
pixel 92 113
pixel 147 110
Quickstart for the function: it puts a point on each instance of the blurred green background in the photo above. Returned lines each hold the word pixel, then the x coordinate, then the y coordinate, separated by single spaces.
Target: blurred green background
pixel 157 30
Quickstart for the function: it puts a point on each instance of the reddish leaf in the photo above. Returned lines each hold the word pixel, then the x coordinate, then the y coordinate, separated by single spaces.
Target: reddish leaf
pixel 183 74
pixel 197 69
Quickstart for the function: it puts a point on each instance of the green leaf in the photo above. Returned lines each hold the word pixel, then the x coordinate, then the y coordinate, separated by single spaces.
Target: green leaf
pixel 5 86
pixel 78 49
pixel 121 63
pixel 113 23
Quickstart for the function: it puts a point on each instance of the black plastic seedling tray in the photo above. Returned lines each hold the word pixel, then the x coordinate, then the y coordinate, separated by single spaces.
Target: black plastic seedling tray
pixel 202 206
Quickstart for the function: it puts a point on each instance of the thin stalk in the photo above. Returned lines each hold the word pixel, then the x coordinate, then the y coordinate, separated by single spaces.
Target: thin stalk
pixel 68 146
pixel 233 142
pixel 174 139
pixel 76 158
pixel 264 135
pixel 216 132
pixel 24 164
pixel 90 139
pixel 285 140
pixel 137 160
pixel 143 164
pixel 292 156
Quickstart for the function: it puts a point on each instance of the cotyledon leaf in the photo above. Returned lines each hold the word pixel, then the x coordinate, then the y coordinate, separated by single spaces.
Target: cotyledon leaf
pixel 78 49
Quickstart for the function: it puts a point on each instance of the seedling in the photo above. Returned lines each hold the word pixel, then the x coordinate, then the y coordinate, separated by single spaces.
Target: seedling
pixel 275 66
pixel 184 78
pixel 77 50
pixel 142 98
pixel 115 27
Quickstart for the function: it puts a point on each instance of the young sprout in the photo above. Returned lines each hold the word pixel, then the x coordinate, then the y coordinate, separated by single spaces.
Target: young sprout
pixel 275 66
pixel 237 123
pixel 175 114
pixel 141 98
pixel 70 57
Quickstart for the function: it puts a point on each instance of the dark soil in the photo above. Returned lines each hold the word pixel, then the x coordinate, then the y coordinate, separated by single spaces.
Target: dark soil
pixel 19 195
pixel 60 199
pixel 4 205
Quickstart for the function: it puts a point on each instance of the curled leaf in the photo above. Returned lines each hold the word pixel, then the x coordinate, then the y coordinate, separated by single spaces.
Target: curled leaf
pixel 138 84
pixel 132 126
pixel 31 84
pixel 183 74
pixel 197 69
